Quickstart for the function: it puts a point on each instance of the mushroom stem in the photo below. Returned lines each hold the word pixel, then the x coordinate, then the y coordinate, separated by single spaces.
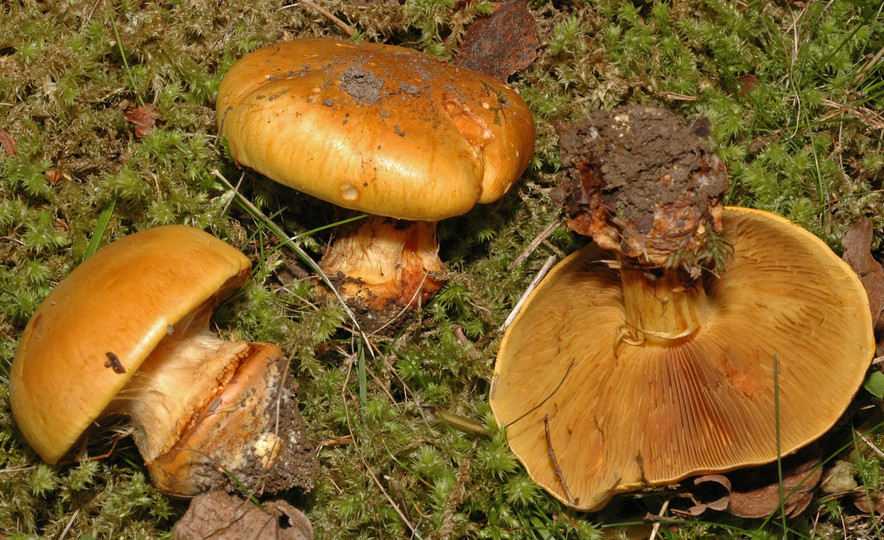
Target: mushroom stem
pixel 159 406
pixel 385 263
pixel 661 307
pixel 203 408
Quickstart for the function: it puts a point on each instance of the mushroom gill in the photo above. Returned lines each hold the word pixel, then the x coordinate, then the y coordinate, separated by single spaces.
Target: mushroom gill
pixel 788 321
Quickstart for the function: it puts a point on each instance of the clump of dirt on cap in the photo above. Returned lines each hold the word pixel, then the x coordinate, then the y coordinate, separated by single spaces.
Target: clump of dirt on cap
pixel 641 182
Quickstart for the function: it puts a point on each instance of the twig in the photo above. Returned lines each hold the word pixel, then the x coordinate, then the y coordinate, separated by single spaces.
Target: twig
pixel 540 275
pixel 656 528
pixel 534 243
pixel 552 456
pixel 331 16
pixel 377 482
pixel 869 443
pixel 70 523
pixel 235 191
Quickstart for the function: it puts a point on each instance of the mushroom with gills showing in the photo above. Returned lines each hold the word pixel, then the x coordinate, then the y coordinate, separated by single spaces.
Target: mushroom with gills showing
pixel 666 348
pixel 380 129
pixel 126 334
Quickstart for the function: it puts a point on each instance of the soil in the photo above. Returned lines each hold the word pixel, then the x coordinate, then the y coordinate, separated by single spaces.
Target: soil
pixel 640 181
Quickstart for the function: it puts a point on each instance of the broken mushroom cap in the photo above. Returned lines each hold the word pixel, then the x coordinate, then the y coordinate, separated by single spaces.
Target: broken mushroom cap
pixel 376 128
pixel 379 129
pixel 126 334
pixel 591 414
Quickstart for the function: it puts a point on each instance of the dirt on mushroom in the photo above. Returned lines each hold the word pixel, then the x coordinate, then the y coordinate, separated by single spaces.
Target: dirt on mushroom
pixel 639 177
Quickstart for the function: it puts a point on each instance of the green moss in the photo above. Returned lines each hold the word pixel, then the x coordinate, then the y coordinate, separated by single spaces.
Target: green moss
pixel 804 141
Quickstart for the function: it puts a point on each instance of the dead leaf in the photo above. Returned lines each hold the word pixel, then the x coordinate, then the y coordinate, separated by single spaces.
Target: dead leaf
pixel 143 117
pixel 719 504
pixel 755 491
pixel 857 253
pixel 501 44
pixel 220 516
pixel 8 143
pixel 53 176
pixel 867 502
pixel 746 83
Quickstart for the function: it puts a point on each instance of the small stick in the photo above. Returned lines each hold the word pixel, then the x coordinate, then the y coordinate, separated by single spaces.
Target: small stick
pixel 331 16
pixel 869 443
pixel 552 456
pixel 543 271
pixel 656 528
pixel 534 243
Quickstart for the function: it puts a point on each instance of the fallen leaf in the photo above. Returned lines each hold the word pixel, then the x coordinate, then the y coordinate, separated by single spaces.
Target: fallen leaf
pixel 143 117
pixel 53 176
pixel 857 253
pixel 746 83
pixel 755 491
pixel 867 502
pixel 8 143
pixel 501 44
pixel 719 504
pixel 220 516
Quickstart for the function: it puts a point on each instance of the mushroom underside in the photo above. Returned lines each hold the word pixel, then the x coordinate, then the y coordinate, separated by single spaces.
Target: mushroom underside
pixel 623 414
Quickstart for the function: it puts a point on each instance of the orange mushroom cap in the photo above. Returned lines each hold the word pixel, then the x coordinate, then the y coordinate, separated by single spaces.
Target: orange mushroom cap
pixel 788 322
pixel 92 332
pixel 376 128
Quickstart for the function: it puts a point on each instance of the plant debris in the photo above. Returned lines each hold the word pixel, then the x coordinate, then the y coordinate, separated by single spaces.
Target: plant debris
pixel 501 44
pixel 143 117
pixel 857 244
pixel 640 182
pixel 8 143
pixel 217 515
pixel 755 492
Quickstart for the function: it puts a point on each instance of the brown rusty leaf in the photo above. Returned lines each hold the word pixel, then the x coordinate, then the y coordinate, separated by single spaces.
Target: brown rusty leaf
pixel 746 83
pixel 857 245
pixel 143 117
pixel 867 502
pixel 718 504
pixel 755 491
pixel 53 176
pixel 8 143
pixel 501 44
pixel 220 516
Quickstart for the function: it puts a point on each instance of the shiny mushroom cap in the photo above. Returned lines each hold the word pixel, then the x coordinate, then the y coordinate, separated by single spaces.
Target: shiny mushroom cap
pixel 91 334
pixel 789 321
pixel 375 128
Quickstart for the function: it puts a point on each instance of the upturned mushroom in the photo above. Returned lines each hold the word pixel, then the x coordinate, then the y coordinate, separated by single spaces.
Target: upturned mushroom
pixel 690 338
pixel 383 130
pixel 126 334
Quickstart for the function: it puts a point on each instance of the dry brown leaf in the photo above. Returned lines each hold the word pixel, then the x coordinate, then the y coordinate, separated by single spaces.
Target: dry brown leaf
pixel 220 516
pixel 53 176
pixel 501 44
pixel 755 491
pixel 143 117
pixel 719 504
pixel 746 83
pixel 857 245
pixel 867 502
pixel 8 143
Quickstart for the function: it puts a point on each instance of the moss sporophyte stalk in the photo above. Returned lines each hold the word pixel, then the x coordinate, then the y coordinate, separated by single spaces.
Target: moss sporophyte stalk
pixel 648 356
